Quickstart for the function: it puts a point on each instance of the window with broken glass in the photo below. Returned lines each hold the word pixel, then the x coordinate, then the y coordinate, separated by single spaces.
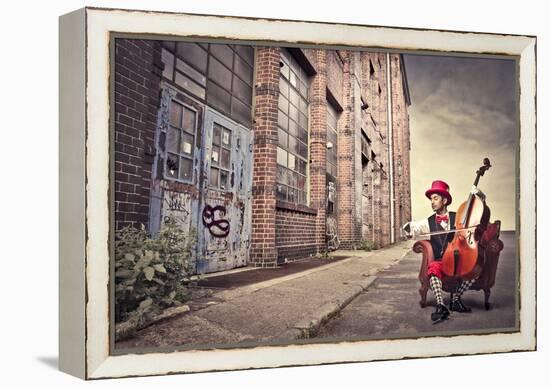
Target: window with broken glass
pixel 293 133
pixel 180 142
pixel 220 158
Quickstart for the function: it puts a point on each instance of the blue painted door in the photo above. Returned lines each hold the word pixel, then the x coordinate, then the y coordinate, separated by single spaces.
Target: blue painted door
pixel 225 194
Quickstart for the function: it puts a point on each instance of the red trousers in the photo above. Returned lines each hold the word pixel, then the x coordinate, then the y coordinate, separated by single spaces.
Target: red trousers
pixel 434 268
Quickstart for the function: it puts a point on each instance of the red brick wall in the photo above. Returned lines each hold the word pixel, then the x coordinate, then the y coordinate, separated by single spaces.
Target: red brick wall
pixel 295 234
pixel 345 159
pixel 262 249
pixel 318 145
pixel 137 72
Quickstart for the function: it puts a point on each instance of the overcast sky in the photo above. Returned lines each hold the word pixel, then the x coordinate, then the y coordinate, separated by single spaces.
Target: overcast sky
pixel 463 109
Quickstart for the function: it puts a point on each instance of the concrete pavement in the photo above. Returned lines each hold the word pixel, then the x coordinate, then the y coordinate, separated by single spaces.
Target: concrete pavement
pixel 390 309
pixel 276 310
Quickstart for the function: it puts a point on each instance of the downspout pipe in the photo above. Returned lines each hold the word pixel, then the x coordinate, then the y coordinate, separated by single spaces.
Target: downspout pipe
pixel 390 146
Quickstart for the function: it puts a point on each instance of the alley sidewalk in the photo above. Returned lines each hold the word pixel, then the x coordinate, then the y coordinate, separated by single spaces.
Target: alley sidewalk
pixel 279 309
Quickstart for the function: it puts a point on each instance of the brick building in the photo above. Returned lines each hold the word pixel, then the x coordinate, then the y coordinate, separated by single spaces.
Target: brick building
pixel 263 150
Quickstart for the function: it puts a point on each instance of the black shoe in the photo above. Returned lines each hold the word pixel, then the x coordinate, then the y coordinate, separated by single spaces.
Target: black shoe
pixel 441 313
pixel 458 306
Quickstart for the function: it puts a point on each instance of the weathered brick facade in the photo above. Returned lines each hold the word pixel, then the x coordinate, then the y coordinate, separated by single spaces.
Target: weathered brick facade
pixel 263 249
pixel 351 84
pixel 137 72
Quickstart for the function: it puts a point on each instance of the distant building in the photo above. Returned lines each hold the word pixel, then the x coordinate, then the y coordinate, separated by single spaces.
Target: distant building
pixel 264 150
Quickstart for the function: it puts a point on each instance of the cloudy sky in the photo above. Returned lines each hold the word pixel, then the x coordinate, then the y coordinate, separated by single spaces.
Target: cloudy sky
pixel 463 109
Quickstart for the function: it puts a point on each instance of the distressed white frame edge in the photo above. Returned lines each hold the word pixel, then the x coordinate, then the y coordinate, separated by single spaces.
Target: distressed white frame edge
pixel 72 184
pixel 101 22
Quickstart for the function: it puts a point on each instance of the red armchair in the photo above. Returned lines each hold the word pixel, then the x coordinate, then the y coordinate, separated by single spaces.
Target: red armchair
pixel 490 247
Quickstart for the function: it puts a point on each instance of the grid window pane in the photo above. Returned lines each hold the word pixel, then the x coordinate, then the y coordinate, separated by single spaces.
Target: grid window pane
pixel 243 70
pixel 293 128
pixel 282 157
pixel 190 72
pixel 292 144
pixel 213 180
pixel 223 53
pixel 224 178
pixel 283 104
pixel 186 170
pixel 294 98
pixel 173 140
pixel 187 143
pixel 218 97
pixel 302 134
pixel 246 52
pixel 281 175
pixel 283 120
pixel 241 90
pixel 220 74
pixel 283 138
pixel 293 112
pixel 175 114
pixel 302 167
pixel 215 155
pixel 303 120
pixel 303 89
pixel 301 182
pixel 172 165
pixel 283 87
pixel 226 138
pixel 292 197
pixel 225 158
pixel 193 54
pixel 291 161
pixel 293 135
pixel 217 135
pixel 293 79
pixel 281 192
pixel 293 177
pixel 285 70
pixel 302 149
pixel 189 117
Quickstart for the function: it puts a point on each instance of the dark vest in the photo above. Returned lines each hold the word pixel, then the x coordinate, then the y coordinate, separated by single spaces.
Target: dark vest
pixel 439 242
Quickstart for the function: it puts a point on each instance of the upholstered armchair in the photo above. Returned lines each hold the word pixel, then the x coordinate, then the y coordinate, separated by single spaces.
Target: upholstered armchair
pixel 489 246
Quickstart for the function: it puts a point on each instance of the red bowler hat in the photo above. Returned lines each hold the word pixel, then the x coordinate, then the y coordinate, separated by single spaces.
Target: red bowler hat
pixel 441 188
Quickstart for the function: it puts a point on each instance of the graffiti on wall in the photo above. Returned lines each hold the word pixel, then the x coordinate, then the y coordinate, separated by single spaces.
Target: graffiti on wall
pixel 218 228
pixel 178 206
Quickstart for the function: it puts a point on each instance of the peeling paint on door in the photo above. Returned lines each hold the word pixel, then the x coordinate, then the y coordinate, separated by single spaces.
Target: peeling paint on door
pixel 224 229
pixel 215 198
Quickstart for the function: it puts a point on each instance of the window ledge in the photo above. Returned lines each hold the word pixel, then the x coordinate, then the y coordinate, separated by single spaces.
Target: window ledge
pixel 283 205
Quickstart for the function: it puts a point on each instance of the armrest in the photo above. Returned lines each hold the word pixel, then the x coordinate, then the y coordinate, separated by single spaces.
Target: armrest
pixel 425 248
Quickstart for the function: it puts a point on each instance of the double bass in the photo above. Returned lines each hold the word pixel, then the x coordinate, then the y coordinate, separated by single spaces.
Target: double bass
pixel 462 257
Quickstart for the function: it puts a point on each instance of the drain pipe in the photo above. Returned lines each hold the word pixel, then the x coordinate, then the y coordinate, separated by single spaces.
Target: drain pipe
pixel 390 145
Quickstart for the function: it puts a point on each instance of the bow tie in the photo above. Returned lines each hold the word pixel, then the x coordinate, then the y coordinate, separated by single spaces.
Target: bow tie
pixel 441 218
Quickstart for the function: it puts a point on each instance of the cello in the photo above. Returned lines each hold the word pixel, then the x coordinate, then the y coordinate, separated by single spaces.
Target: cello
pixel 462 257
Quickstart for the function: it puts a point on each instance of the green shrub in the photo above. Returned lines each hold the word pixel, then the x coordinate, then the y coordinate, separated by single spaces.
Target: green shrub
pixel 151 274
pixel 367 245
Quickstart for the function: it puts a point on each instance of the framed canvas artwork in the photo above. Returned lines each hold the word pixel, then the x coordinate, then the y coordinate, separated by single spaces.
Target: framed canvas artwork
pixel 242 193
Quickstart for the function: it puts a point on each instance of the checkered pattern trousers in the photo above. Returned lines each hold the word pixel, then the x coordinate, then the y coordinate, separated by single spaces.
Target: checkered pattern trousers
pixel 437 289
pixel 464 285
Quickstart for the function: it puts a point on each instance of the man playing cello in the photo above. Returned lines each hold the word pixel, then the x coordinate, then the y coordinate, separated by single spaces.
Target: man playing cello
pixel 442 220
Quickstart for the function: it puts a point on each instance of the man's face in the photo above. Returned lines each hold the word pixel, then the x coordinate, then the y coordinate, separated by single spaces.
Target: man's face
pixel 438 202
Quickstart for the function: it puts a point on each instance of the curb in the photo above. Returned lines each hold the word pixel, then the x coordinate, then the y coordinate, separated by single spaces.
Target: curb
pixel 310 328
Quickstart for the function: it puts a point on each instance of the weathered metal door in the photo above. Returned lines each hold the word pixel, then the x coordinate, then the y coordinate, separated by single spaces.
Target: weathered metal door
pixel 225 195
